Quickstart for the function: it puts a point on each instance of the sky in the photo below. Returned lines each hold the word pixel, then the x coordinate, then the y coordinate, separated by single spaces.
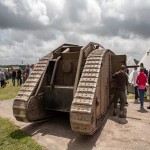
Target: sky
pixel 30 29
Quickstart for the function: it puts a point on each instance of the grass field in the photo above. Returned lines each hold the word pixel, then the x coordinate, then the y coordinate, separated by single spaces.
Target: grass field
pixel 9 91
pixel 11 138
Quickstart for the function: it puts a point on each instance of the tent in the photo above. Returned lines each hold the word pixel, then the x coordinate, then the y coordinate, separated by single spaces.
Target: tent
pixel 146 61
pixel 130 62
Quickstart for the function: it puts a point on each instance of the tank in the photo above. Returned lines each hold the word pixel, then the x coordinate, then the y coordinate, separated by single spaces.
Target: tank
pixel 74 79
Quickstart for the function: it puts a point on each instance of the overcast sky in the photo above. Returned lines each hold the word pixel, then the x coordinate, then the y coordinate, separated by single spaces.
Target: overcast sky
pixel 29 29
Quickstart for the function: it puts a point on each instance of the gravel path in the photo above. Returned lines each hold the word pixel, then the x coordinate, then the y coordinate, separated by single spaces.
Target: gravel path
pixel 132 133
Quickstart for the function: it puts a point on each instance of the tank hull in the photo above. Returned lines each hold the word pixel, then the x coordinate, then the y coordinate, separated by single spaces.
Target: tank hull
pixel 73 79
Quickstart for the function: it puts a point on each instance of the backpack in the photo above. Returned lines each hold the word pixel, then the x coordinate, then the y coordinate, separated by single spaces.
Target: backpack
pixel 146 72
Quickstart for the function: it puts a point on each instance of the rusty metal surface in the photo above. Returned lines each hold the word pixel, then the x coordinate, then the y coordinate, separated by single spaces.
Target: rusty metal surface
pixel 24 106
pixel 83 114
pixel 79 83
pixel 28 105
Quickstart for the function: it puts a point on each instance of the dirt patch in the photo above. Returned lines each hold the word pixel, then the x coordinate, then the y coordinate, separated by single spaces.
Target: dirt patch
pixel 132 133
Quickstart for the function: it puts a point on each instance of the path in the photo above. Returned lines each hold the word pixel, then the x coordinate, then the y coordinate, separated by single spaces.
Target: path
pixel 132 133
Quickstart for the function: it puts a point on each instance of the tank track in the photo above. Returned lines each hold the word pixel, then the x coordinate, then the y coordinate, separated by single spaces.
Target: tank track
pixel 83 107
pixel 20 105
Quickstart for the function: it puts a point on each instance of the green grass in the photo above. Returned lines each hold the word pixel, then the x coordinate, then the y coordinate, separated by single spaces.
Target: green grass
pixel 11 138
pixel 130 96
pixel 9 91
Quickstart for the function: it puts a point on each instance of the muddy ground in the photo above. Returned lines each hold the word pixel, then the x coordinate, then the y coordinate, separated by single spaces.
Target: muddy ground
pixel 132 133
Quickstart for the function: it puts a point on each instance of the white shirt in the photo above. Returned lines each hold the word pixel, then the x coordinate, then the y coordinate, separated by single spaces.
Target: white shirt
pixel 134 77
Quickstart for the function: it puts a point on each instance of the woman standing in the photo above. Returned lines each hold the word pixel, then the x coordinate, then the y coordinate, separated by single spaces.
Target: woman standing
pixel 141 81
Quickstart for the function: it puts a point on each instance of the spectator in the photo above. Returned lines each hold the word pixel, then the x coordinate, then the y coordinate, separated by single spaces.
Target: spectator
pixel 121 78
pixel 144 69
pixel 149 86
pixel 2 76
pixel 13 76
pixel 31 68
pixel 141 81
pixel 19 82
pixel 27 70
pixel 133 81
pixel 24 76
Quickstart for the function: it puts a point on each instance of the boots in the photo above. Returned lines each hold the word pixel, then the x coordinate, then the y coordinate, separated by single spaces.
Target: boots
pixel 122 115
pixel 114 113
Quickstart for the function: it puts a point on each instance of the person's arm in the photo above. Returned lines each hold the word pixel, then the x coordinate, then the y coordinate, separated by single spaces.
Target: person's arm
pixel 149 78
pixel 114 76
pixel 146 78
pixel 137 80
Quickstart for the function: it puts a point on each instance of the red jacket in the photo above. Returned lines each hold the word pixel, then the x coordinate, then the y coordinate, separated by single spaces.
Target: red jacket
pixel 141 80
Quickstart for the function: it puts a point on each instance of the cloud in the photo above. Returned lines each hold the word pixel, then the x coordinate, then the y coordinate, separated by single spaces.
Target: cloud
pixel 31 29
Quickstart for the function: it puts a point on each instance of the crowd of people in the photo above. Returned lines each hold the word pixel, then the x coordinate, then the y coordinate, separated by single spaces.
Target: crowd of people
pixel 19 75
pixel 4 76
pixel 139 81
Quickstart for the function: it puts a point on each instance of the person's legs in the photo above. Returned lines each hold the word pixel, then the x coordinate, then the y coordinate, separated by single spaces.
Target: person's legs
pixel 141 92
pixel 13 81
pixel 122 103
pixel 2 83
pixel 17 81
pixel 20 81
pixel 136 92
pixel 115 100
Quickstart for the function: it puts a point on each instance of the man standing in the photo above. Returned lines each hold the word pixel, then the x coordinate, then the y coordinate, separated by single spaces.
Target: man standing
pixel 121 78
pixel 13 76
pixel 19 77
pixel 144 69
pixel 149 86
pixel 2 76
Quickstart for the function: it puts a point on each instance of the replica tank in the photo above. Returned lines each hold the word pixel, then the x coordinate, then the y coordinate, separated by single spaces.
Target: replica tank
pixel 73 79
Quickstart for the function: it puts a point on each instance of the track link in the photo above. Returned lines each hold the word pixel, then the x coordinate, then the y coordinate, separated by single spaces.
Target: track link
pixel 83 105
pixel 20 105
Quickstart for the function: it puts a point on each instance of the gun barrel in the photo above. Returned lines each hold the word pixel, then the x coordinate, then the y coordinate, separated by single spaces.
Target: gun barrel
pixel 132 66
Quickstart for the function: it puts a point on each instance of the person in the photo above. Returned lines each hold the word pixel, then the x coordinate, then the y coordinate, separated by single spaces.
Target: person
pixel 144 69
pixel 141 81
pixel 149 86
pixel 13 76
pixel 126 89
pixel 31 68
pixel 19 82
pixel 27 70
pixel 121 78
pixel 2 76
pixel 133 81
